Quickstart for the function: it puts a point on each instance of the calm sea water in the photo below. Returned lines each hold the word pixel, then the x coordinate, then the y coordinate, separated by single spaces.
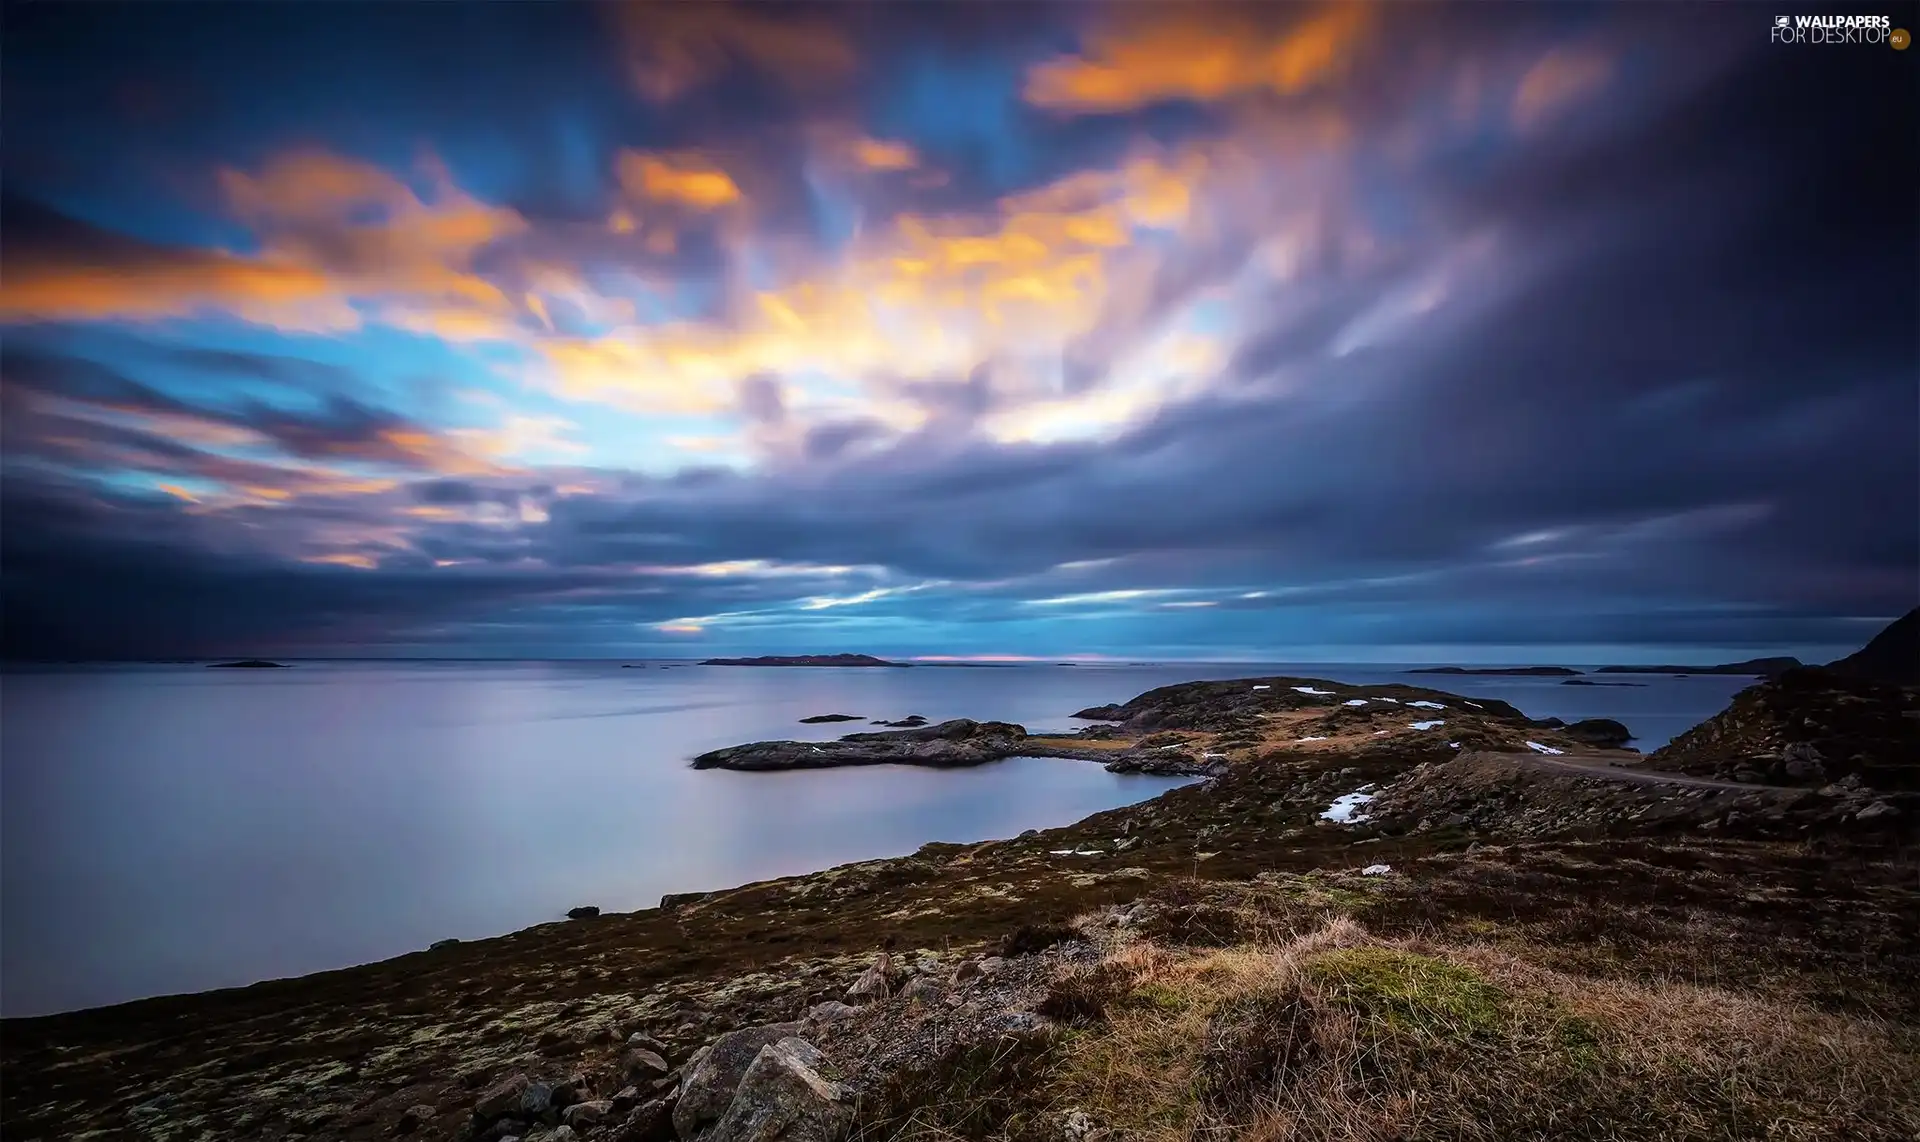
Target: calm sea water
pixel 173 828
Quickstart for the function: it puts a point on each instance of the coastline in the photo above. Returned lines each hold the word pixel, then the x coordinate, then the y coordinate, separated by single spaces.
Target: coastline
pixel 424 1027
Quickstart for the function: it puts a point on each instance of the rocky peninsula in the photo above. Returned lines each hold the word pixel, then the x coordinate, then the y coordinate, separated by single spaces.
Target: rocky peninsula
pixel 1385 912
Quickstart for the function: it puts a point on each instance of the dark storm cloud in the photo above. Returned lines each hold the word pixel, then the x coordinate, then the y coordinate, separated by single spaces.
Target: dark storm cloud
pixel 332 426
pixel 1682 409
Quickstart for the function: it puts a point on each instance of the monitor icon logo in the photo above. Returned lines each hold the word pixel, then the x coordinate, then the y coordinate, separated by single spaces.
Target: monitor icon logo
pixel 1779 21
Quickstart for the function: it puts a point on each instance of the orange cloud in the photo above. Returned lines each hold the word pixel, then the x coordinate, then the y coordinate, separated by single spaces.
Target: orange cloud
pixel 684 179
pixel 674 48
pixel 884 155
pixel 376 237
pixel 1205 54
pixel 1560 79
pixel 270 292
pixel 335 233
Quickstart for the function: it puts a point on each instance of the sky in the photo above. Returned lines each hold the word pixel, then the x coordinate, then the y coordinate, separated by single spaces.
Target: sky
pixel 1311 332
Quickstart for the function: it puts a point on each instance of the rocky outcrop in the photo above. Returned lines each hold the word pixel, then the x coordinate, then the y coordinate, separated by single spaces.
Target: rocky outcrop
pixel 714 1073
pixel 248 664
pixel 817 719
pixel 1808 727
pixel 1603 732
pixel 1891 659
pixel 1240 702
pixel 785 1095
pixel 960 742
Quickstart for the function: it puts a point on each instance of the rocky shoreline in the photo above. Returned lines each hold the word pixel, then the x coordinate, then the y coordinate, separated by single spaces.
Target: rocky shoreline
pixel 964 990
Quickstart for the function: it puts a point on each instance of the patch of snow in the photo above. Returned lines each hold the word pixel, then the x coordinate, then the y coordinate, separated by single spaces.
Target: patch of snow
pixel 1379 733
pixel 1345 807
pixel 1426 705
pixel 1263 687
pixel 1376 870
pixel 1316 738
pixel 1395 701
pixel 1425 725
pixel 1453 745
pixel 1204 756
pixel 1078 852
pixel 1538 748
pixel 1476 705
pixel 1355 702
pixel 1312 691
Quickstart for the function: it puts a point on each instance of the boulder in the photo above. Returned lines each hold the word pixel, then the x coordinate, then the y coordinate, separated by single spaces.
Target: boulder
pixel 500 1099
pixel 872 983
pixel 825 1014
pixel 920 989
pixel 710 1081
pixel 584 912
pixel 584 1114
pixel 1876 811
pixel 412 1119
pixel 640 1065
pixel 673 900
pixel 786 1095
pixel 1602 732
pixel 624 1100
pixel 642 1039
pixel 536 1101
pixel 1802 762
pixel 651 1121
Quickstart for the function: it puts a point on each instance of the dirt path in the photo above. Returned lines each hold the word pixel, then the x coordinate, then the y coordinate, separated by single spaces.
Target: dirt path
pixel 1606 766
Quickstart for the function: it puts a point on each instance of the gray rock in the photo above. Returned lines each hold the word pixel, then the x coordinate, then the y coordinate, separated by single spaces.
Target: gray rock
pixel 1876 811
pixel 411 1119
pixel 1803 762
pixel 624 1099
pixel 786 1096
pixel 562 1134
pixel 872 983
pixel 642 1039
pixel 709 1083
pixel 651 1121
pixel 920 988
pixel 584 1114
pixel 969 969
pixel 536 1099
pixel 640 1065
pixel 506 1128
pixel 991 965
pixel 500 1099
pixel 823 1014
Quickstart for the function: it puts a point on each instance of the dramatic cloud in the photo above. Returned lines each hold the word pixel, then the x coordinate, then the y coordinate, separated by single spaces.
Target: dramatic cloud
pixel 1187 330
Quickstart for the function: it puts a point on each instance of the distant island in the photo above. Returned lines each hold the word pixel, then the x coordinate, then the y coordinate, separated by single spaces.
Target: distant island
pixel 1530 671
pixel 248 664
pixel 805 660
pixel 1759 667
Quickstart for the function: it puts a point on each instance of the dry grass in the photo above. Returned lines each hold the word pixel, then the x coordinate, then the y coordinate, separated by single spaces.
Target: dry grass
pixel 1342 1035
pixel 1113 744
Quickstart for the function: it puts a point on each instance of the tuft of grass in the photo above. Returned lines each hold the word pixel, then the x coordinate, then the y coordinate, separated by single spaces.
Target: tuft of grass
pixel 1410 993
pixel 1338 1034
